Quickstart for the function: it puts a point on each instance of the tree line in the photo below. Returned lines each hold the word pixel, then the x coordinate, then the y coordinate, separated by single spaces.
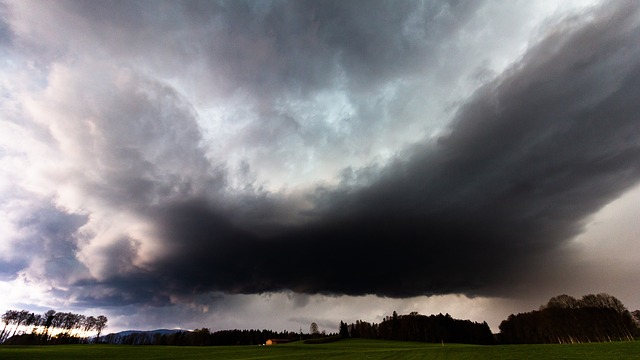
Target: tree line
pixel 565 319
pixel 204 337
pixel 22 326
pixel 416 327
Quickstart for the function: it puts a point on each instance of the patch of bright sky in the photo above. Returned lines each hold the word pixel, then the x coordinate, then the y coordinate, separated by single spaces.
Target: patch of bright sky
pixel 23 291
pixel 610 241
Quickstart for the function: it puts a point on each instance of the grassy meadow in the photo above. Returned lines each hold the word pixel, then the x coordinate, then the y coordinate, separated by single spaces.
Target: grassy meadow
pixel 345 349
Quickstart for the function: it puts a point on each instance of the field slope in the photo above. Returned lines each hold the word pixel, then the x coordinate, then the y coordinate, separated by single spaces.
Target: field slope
pixel 346 349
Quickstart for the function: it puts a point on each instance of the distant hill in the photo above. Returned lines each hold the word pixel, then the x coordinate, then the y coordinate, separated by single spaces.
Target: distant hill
pixel 139 337
pixel 148 332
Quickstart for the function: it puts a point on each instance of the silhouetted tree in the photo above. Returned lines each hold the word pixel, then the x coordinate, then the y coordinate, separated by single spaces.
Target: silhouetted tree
pixel 636 317
pixel 47 319
pixel 100 324
pixel 89 324
pixel 69 326
pixel 416 327
pixel 563 302
pixel 200 337
pixel 394 326
pixel 313 329
pixel 20 318
pixel 7 318
pixel 564 319
pixel 344 330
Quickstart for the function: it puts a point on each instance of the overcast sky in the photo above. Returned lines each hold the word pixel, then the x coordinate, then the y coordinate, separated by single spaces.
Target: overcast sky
pixel 266 164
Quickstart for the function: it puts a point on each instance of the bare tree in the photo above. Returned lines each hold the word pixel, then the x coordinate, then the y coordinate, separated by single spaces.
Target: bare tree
pixel 89 324
pixel 21 317
pixel 7 318
pixel 51 322
pixel 48 318
pixel 34 320
pixel 101 323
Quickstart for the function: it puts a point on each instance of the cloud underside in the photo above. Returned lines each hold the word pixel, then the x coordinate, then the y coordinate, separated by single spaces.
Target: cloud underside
pixel 483 208
pixel 143 208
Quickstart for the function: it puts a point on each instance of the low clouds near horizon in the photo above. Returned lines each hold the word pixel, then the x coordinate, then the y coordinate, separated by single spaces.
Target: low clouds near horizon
pixel 156 152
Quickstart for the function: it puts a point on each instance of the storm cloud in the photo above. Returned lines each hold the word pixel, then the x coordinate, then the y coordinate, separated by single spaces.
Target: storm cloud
pixel 162 152
pixel 520 168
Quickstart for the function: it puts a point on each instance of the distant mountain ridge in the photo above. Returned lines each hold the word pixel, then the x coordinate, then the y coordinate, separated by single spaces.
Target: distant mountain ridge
pixel 148 332
pixel 139 337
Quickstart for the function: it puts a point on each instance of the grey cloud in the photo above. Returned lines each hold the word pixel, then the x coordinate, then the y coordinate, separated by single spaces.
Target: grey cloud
pixel 138 134
pixel 47 245
pixel 270 130
pixel 6 35
pixel 123 289
pixel 116 143
pixel 275 56
pixel 271 49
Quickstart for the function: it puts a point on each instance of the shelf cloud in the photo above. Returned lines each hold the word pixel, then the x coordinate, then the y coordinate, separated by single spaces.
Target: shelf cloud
pixel 154 153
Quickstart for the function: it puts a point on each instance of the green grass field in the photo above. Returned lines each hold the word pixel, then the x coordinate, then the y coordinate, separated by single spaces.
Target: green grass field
pixel 346 349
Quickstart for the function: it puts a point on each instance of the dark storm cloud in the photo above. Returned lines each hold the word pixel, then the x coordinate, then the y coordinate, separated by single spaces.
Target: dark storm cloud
pixel 525 161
